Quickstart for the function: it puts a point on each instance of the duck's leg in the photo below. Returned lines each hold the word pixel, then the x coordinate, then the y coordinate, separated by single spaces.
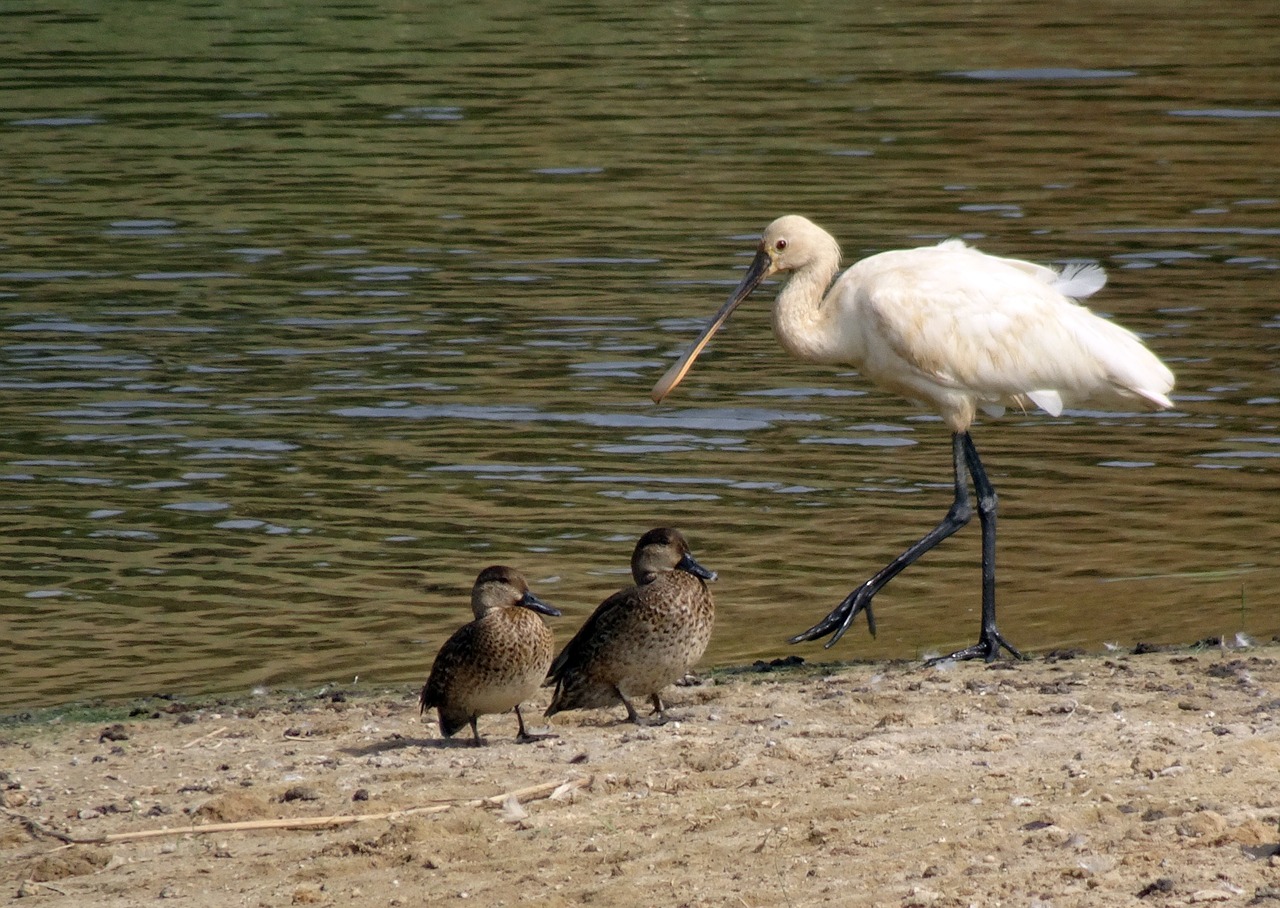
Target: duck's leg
pixel 524 737
pixel 961 512
pixel 632 715
pixel 659 714
pixel 475 734
pixel 990 640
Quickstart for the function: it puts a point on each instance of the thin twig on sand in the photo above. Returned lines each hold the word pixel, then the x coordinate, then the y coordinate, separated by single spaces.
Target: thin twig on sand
pixel 557 789
pixel 216 731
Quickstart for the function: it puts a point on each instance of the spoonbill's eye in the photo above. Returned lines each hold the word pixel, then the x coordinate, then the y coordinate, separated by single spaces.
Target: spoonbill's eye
pixel 781 244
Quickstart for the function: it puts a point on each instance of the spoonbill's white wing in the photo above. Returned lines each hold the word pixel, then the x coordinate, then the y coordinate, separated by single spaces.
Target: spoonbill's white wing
pixel 948 322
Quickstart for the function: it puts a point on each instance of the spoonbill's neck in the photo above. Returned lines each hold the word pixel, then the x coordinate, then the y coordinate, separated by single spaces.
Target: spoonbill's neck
pixel 800 320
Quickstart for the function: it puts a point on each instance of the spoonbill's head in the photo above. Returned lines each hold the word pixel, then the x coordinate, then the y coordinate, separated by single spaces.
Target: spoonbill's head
pixel 790 243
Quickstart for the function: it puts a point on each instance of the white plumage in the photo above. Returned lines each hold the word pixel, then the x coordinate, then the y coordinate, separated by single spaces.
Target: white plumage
pixel 958 331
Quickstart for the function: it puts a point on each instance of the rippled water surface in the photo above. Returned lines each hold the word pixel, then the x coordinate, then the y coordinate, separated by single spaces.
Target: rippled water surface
pixel 308 316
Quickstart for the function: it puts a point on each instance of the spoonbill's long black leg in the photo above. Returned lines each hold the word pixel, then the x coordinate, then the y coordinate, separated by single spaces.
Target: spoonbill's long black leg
pixel 965 463
pixel 990 641
pixel 961 512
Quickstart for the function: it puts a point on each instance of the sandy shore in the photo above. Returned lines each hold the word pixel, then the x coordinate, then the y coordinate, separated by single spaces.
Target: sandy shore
pixel 1098 780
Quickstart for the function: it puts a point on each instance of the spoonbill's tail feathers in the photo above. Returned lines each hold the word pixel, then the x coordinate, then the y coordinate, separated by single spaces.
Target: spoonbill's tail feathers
pixel 1133 371
pixel 1155 398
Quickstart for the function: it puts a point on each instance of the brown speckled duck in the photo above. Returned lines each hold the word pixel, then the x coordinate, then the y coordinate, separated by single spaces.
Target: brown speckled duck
pixel 494 663
pixel 642 638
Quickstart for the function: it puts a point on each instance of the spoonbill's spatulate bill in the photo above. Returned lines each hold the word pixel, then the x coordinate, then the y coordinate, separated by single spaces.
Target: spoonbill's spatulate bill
pixel 958 331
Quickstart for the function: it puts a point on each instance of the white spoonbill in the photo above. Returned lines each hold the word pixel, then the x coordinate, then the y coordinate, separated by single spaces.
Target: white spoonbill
pixel 956 330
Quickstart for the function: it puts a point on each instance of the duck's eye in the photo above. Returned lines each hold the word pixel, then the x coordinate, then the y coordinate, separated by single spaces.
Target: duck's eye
pixel 781 244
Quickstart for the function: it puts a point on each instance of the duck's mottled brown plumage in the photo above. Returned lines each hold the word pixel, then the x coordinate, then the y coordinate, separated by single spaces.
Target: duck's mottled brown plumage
pixel 642 638
pixel 495 662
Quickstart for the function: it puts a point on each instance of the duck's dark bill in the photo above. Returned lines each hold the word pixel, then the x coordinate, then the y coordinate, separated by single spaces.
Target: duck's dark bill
pixel 533 603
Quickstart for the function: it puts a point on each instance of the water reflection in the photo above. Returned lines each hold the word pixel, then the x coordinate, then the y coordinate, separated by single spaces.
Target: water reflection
pixel 306 320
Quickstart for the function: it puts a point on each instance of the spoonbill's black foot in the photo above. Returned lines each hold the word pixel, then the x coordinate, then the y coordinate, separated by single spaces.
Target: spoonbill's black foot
pixel 841 618
pixel 987 649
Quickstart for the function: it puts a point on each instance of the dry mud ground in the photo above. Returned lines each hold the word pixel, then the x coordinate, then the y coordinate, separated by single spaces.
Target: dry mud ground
pixel 1098 780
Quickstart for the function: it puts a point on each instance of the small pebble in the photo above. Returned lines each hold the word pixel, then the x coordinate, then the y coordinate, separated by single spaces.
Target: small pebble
pixel 1164 884
pixel 300 793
